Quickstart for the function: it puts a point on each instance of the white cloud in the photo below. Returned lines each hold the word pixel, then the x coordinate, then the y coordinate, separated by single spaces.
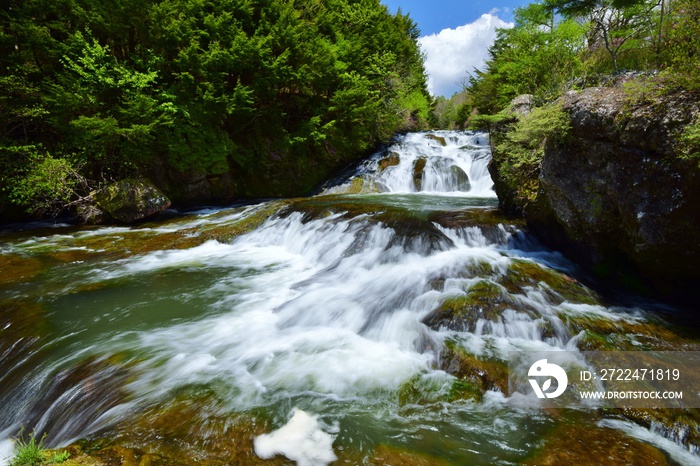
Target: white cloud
pixel 452 53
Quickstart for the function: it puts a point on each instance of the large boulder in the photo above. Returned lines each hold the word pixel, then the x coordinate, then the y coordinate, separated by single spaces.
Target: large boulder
pixel 131 200
pixel 616 196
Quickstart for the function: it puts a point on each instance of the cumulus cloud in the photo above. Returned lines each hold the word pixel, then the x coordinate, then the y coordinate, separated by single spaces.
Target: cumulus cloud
pixel 452 53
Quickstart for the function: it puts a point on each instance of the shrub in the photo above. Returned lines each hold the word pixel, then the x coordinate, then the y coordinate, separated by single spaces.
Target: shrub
pixel 522 148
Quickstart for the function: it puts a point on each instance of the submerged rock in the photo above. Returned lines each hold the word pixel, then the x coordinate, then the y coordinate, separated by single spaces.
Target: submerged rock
pixel 593 445
pixel 390 455
pixel 131 200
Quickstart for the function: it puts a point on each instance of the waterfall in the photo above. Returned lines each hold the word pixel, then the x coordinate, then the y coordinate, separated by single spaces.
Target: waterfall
pixel 440 162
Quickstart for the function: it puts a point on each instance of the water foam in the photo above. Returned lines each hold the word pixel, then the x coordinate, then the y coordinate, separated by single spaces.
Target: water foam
pixel 302 440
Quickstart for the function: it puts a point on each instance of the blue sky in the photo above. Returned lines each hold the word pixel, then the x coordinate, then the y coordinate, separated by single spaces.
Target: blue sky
pixel 455 35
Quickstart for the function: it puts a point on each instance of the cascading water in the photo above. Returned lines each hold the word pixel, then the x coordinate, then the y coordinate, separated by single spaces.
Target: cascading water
pixel 448 163
pixel 327 330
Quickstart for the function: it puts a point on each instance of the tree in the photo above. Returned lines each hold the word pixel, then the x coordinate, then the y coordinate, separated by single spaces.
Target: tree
pixel 538 56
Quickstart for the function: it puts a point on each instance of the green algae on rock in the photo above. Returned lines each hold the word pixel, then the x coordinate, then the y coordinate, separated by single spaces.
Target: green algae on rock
pixel 131 199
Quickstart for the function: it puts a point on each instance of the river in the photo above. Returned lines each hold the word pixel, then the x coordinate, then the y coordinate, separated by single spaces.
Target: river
pixel 370 323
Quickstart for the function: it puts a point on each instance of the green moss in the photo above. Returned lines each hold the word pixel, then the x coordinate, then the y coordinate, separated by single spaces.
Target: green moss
pixel 484 300
pixel 190 429
pixel 557 286
pixel 477 375
pixel 520 149
pixel 603 334
pixel 424 390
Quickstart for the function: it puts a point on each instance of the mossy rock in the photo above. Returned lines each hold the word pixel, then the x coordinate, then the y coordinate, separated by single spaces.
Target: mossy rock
pixel 589 444
pixel 484 300
pixel 624 334
pixel 439 139
pixel 422 390
pixel 384 455
pixel 556 286
pixel 482 374
pixel 193 428
pixel 418 168
pixel 131 199
pixel 389 161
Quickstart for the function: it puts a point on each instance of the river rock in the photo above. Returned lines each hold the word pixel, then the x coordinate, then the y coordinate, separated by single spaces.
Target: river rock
pixel 439 139
pixel 461 178
pixel 389 161
pixel 615 196
pixel 418 168
pixel 131 200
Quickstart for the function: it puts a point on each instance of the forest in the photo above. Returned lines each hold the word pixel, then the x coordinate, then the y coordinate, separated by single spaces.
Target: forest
pixel 560 45
pixel 272 94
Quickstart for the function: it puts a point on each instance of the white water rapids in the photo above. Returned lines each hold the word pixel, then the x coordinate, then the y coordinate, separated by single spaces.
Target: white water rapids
pixel 318 312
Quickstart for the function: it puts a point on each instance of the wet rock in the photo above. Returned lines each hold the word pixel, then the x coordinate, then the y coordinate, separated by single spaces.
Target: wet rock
pixel 439 139
pixel 484 300
pixel 630 334
pixel 131 200
pixel 389 161
pixel 480 375
pixel 191 429
pixel 593 445
pixel 461 179
pixel 557 287
pixel 418 168
pixel 358 185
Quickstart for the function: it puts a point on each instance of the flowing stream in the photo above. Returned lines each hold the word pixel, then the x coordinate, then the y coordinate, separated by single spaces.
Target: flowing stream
pixel 314 329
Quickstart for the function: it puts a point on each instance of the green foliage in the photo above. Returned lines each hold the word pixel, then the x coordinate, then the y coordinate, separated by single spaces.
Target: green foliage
pixel 31 452
pixel 681 46
pixel 28 452
pixel 253 88
pixel 40 183
pixel 689 141
pixel 523 147
pixel 453 113
pixel 59 457
pixel 538 56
